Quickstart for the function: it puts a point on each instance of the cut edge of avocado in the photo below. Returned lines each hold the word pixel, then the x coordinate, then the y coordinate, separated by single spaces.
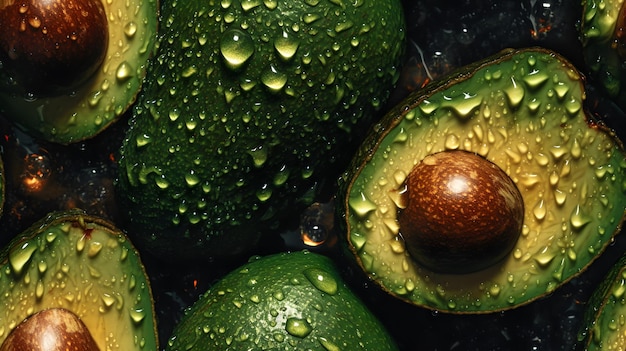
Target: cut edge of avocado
pixel 289 300
pixel 529 119
pixel 108 93
pixel 83 264
pixel 601 326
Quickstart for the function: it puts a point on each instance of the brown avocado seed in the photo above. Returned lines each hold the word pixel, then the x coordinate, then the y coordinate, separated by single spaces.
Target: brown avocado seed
pixel 49 47
pixel 55 329
pixel 463 213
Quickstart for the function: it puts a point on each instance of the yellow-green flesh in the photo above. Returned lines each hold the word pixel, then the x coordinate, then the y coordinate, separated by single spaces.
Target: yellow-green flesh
pixel 107 94
pixel 525 114
pixel 87 268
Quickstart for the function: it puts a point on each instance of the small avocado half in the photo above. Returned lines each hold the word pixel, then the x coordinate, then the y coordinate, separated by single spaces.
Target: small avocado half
pixel 246 115
pixel 285 301
pixel 74 262
pixel 521 111
pixel 603 325
pixel 604 45
pixel 34 91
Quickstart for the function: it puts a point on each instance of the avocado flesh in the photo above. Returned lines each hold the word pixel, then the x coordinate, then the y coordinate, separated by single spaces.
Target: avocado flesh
pixel 523 111
pixel 104 97
pixel 245 115
pixel 83 264
pixel 602 326
pixel 286 301
pixel 603 50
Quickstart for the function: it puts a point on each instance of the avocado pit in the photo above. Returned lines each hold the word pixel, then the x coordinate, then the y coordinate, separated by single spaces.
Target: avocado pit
pixel 54 329
pixel 463 213
pixel 49 47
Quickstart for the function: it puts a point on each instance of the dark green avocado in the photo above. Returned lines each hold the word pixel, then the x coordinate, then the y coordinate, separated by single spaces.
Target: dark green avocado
pixel 604 45
pixel 521 111
pixel 286 301
pixel 603 324
pixel 247 111
pixel 84 265
pixel 68 84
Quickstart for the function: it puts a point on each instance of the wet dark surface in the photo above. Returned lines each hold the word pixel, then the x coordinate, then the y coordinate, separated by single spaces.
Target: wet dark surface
pixel 443 35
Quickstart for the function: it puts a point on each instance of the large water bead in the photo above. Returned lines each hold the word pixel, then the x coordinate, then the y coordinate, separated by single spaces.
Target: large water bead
pixel 463 213
pixel 50 47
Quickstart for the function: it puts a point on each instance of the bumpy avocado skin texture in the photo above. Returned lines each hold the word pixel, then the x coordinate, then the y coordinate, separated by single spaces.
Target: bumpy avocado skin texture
pixel 286 301
pixel 103 99
pixel 604 47
pixel 247 112
pixel 524 111
pixel 83 264
pixel 602 328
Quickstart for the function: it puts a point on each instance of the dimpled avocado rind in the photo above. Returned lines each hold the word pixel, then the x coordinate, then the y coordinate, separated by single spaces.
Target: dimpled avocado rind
pixel 604 47
pixel 248 110
pixel 83 264
pixel 100 101
pixel 286 301
pixel 522 110
pixel 602 328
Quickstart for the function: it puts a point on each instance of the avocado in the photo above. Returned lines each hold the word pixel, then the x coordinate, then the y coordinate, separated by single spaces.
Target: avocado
pixel 284 301
pixel 523 112
pixel 246 115
pixel 83 264
pixel 602 326
pixel 604 46
pixel 68 84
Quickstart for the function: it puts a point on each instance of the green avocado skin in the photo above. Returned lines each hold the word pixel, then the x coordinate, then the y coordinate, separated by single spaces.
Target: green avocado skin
pixel 248 110
pixel 285 301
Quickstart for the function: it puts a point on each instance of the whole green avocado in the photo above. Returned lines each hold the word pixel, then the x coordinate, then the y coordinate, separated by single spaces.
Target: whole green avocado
pixel 285 301
pixel 246 113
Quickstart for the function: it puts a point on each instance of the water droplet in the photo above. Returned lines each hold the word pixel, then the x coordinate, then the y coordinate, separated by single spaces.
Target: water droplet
pixel 247 5
pixel 286 46
pixel 137 315
pixel 130 29
pixel 298 327
pixel 264 193
pixel 191 178
pixel 20 256
pixel 578 219
pixel 514 93
pixel 259 156
pixel 124 72
pixel 539 211
pixel 322 280
pixel 535 79
pixel 236 47
pixel 361 205
pixel 328 345
pixel 273 79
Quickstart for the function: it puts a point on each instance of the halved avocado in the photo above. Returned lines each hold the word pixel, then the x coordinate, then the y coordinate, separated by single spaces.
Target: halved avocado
pixel 62 111
pixel 604 45
pixel 522 111
pixel 82 264
pixel 603 326
pixel 286 301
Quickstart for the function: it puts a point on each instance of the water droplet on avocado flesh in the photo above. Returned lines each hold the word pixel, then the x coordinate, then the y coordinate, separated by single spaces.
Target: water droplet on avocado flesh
pixel 101 98
pixel 82 264
pixel 275 101
pixel 572 208
pixel 294 300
